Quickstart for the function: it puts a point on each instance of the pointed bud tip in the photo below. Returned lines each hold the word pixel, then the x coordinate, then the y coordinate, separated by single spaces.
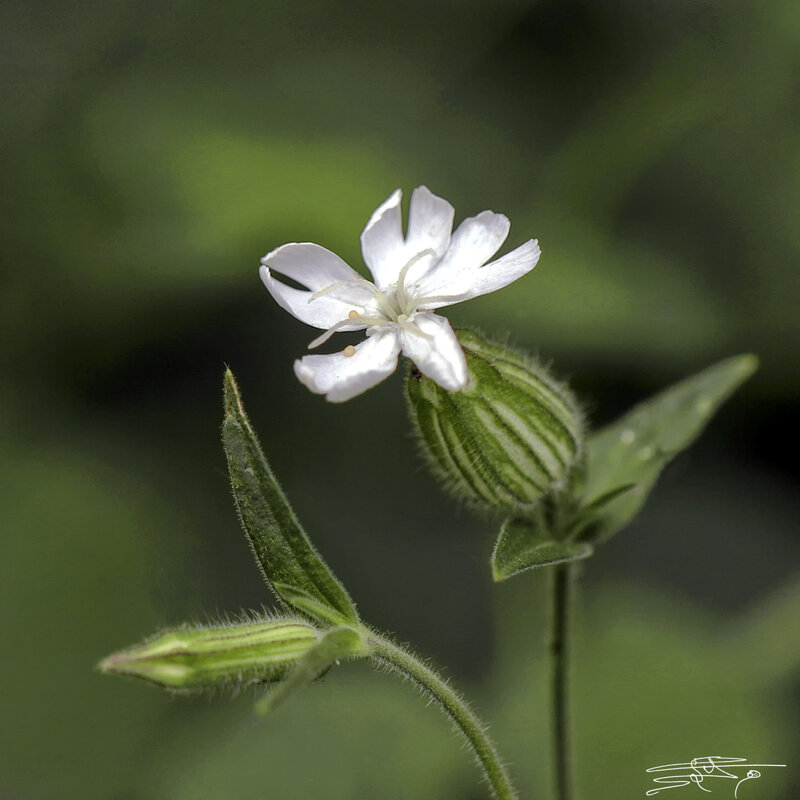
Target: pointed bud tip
pixel 108 664
pixel 134 665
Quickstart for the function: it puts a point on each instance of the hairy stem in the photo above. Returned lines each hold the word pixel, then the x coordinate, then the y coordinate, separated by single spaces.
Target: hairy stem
pixel 468 725
pixel 559 654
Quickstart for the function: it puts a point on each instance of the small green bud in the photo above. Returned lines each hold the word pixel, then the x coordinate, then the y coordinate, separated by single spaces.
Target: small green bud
pixel 193 659
pixel 508 438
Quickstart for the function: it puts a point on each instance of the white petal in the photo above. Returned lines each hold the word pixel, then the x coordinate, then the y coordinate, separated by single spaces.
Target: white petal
pixel 489 278
pixel 474 242
pixel 382 243
pixel 309 264
pixel 505 270
pixel 431 344
pixel 477 239
pixel 342 377
pixel 323 311
pixel 430 222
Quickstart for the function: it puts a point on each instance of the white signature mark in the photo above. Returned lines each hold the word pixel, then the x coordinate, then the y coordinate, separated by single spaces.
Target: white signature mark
pixel 699 769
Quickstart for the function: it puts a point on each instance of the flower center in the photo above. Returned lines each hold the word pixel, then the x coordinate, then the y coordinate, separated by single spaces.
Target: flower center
pixel 404 301
pixel 396 306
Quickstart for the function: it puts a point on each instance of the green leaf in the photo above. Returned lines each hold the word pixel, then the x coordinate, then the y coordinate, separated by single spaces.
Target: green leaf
pixel 588 518
pixel 627 457
pixel 334 645
pixel 289 562
pixel 526 544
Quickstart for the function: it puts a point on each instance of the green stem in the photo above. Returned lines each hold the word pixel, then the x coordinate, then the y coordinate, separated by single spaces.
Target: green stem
pixel 559 653
pixel 468 725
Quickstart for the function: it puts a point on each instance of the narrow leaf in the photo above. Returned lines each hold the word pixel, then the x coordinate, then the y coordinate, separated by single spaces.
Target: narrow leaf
pixel 588 519
pixel 334 645
pixel 289 562
pixel 525 544
pixel 635 449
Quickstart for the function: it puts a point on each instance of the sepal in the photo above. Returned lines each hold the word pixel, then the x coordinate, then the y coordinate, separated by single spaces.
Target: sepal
pixel 194 659
pixel 511 436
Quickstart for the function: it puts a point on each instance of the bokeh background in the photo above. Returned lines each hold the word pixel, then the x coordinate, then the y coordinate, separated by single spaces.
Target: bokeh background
pixel 153 151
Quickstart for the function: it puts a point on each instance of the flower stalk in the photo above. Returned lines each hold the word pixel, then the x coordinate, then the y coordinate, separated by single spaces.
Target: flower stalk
pixel 400 660
pixel 559 677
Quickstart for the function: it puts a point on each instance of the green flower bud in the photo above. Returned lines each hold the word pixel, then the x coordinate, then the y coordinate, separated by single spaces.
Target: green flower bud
pixel 193 659
pixel 508 438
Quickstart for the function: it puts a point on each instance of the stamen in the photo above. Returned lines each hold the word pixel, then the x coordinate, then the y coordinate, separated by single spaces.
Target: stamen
pixel 362 282
pixel 447 299
pixel 322 338
pixel 353 314
pixel 349 351
pixel 349 323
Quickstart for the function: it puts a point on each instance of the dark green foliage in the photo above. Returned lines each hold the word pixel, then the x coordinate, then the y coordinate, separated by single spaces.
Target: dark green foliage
pixel 524 544
pixel 626 458
pixel 287 559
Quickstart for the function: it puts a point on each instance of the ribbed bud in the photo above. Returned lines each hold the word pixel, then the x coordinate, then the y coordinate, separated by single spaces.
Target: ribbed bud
pixel 193 659
pixel 512 435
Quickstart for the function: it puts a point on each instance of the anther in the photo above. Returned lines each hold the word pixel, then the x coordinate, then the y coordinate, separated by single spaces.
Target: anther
pixel 349 351
pixel 353 314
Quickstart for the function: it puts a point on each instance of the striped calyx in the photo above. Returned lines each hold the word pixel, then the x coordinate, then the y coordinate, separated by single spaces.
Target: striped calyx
pixel 508 438
pixel 194 659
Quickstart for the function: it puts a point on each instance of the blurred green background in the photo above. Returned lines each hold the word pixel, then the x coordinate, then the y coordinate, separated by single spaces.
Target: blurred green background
pixel 153 151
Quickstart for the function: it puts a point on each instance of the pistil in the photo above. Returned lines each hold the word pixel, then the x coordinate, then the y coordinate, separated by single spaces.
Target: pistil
pixel 397 306
pixel 402 297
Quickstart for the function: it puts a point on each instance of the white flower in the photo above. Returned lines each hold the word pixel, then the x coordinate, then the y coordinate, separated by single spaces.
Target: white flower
pixel 432 266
